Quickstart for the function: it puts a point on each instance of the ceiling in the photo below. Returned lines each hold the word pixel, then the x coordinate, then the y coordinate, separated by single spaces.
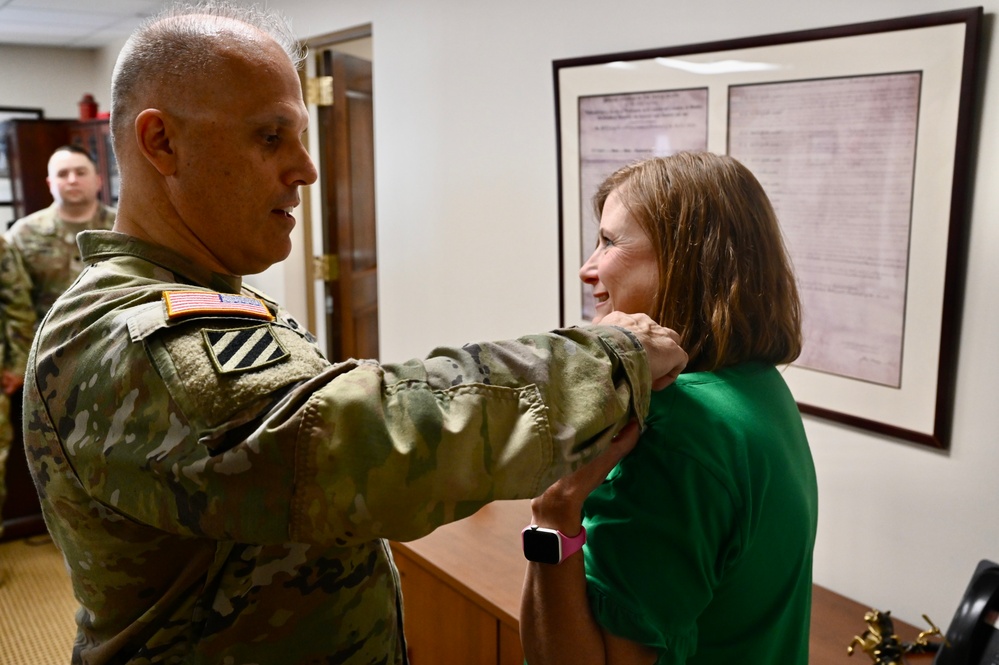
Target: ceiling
pixel 71 23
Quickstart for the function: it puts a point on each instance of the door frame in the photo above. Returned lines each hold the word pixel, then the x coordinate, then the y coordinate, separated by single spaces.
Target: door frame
pixel 312 222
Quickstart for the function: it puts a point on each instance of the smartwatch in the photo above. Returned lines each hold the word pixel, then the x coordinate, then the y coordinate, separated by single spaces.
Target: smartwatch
pixel 550 545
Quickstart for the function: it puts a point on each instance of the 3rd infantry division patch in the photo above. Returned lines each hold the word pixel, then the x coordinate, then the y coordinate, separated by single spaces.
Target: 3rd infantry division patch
pixel 241 349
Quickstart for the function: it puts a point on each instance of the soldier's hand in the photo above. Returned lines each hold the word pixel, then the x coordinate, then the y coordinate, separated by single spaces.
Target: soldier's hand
pixel 10 382
pixel 666 358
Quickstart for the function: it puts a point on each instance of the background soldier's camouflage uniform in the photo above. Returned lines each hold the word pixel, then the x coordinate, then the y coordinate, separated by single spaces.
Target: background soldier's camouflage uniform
pixel 48 251
pixel 17 324
pixel 221 503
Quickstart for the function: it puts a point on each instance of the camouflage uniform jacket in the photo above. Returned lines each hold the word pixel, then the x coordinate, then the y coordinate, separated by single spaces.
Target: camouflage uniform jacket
pixel 47 248
pixel 17 327
pixel 16 313
pixel 232 508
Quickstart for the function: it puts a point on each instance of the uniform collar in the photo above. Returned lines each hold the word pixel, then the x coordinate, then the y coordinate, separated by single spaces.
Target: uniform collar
pixel 99 245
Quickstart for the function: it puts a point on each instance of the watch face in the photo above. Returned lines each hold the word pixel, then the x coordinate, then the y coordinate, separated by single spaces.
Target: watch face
pixel 542 546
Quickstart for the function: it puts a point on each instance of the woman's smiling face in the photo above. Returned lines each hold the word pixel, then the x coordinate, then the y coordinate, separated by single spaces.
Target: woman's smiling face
pixel 622 270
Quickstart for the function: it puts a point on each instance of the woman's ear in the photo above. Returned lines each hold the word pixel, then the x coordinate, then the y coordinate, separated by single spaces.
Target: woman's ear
pixel 154 137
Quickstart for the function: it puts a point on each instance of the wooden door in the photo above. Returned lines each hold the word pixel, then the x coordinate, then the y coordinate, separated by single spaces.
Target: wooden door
pixel 346 139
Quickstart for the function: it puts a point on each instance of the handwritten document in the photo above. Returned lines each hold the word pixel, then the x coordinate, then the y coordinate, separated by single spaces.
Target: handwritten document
pixel 615 130
pixel 836 157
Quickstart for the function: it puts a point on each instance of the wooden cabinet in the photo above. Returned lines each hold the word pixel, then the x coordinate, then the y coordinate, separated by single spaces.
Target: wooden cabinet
pixel 443 625
pixel 30 143
pixel 461 588
pixel 510 651
pixel 21 512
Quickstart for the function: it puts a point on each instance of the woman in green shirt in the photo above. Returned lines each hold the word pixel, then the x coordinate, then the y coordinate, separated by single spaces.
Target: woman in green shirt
pixel 699 542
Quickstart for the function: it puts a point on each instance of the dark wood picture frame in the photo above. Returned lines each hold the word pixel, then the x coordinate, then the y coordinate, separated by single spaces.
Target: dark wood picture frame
pixel 919 407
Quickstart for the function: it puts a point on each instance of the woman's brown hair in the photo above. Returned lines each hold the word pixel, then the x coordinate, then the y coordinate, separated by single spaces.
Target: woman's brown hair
pixel 725 279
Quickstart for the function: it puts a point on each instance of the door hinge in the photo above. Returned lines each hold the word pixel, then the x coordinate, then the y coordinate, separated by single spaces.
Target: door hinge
pixel 319 91
pixel 326 267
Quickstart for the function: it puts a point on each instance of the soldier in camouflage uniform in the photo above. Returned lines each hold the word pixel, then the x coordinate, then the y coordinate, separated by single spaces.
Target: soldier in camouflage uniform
pixel 220 491
pixel 46 240
pixel 17 323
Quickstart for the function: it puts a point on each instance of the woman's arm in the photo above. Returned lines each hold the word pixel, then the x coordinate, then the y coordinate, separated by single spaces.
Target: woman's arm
pixel 556 625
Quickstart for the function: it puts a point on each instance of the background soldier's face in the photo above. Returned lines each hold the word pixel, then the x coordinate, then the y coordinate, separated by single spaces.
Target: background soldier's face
pixel 73 179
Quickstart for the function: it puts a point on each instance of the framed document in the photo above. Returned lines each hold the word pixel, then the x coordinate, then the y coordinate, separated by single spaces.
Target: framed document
pixel 861 136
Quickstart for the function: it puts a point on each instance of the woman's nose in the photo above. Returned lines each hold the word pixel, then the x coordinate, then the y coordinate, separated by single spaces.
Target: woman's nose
pixel 588 272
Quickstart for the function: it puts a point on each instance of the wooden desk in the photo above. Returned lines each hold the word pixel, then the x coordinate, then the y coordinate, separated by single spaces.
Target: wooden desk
pixel 462 587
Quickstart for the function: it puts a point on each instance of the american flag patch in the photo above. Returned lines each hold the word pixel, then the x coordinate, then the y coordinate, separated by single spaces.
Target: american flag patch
pixel 189 303
pixel 241 349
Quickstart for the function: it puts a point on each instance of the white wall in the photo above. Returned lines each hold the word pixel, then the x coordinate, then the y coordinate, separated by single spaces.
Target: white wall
pixel 467 214
pixel 53 79
pixel 104 60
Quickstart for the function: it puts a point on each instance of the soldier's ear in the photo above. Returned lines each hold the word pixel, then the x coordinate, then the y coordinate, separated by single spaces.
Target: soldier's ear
pixel 153 134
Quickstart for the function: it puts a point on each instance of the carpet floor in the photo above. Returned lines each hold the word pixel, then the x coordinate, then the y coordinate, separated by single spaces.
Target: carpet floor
pixel 36 604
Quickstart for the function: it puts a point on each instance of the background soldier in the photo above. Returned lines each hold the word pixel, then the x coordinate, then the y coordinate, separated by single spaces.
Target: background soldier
pixel 46 240
pixel 17 322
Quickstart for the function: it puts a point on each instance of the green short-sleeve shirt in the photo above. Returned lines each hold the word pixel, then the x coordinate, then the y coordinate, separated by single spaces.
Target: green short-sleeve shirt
pixel 700 541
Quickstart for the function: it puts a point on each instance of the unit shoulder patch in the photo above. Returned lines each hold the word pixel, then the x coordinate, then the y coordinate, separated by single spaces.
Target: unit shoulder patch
pixel 234 350
pixel 190 303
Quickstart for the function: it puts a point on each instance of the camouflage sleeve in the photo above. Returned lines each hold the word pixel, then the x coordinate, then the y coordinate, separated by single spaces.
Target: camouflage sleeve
pixel 16 310
pixel 299 450
pixel 397 450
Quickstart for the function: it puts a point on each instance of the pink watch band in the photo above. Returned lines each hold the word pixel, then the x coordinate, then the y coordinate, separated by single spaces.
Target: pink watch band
pixel 572 545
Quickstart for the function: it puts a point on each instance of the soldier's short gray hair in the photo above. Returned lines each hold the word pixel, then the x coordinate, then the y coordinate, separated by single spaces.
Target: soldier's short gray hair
pixel 184 39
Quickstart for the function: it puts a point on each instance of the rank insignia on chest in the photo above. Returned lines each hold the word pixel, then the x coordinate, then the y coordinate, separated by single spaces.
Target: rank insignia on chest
pixel 241 349
pixel 189 303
